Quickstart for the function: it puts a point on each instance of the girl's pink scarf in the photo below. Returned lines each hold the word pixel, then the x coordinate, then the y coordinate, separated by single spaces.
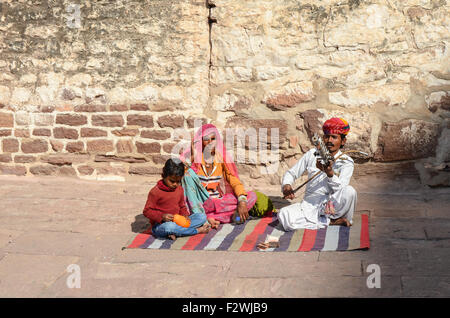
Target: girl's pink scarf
pixel 221 151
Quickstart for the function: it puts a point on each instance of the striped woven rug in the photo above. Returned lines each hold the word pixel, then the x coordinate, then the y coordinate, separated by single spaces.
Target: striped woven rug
pixel 245 237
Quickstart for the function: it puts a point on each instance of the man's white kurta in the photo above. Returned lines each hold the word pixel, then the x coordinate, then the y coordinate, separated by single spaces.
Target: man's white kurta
pixel 308 214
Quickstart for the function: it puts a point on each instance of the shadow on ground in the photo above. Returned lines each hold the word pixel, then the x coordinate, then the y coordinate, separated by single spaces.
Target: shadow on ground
pixel 140 224
pixel 279 202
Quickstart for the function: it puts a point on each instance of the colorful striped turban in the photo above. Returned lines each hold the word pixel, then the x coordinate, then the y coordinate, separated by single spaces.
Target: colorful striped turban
pixel 336 126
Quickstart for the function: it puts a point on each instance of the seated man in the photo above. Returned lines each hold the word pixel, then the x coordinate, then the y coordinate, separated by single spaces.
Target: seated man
pixel 329 199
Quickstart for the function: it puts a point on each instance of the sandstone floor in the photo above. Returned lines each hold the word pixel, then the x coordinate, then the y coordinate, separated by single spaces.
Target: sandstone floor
pixel 46 224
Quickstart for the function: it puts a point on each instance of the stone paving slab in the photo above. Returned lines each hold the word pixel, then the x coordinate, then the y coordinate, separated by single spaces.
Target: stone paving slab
pixel 153 285
pixel 421 268
pixel 67 243
pixel 429 254
pixel 257 261
pixel 397 213
pixel 374 254
pixel 438 211
pixel 324 286
pixel 54 222
pixel 8 236
pixel 413 243
pixel 438 231
pixel 435 286
pixel 294 268
pixel 145 279
pixel 23 275
pixel 399 228
pixel 59 287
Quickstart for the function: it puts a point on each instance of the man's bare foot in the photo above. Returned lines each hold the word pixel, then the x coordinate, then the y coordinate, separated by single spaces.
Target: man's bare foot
pixel 340 221
pixel 203 229
pixel 214 223
pixel 172 237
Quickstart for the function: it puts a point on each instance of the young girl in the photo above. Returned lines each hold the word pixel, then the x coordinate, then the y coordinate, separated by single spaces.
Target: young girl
pixel 167 199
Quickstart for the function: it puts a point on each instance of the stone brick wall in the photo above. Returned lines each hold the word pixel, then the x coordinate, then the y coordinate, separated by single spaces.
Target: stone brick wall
pixel 97 89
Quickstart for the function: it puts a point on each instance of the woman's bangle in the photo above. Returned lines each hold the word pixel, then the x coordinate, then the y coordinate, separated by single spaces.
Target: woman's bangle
pixel 242 198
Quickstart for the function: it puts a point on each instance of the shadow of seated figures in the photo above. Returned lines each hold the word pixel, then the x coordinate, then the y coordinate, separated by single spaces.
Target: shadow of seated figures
pixel 279 202
pixel 140 224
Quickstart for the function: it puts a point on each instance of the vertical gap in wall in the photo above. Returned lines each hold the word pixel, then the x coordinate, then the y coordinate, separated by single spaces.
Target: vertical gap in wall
pixel 211 21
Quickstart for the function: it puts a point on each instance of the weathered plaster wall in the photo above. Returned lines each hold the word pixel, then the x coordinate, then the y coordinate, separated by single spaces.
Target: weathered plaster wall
pixel 101 99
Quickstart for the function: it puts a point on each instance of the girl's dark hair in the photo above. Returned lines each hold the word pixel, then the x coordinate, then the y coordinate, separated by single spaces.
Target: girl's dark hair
pixel 173 167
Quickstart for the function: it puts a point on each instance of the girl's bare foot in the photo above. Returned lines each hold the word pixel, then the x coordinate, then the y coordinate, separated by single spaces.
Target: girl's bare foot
pixel 172 237
pixel 214 223
pixel 340 221
pixel 203 229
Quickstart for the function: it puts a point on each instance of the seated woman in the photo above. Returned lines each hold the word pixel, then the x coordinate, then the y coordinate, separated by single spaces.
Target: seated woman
pixel 217 173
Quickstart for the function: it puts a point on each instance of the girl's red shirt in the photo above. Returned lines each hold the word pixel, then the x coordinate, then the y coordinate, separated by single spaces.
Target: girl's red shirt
pixel 161 200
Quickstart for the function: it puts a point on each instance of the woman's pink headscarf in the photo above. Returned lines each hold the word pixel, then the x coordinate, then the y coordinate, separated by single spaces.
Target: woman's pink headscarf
pixel 221 152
